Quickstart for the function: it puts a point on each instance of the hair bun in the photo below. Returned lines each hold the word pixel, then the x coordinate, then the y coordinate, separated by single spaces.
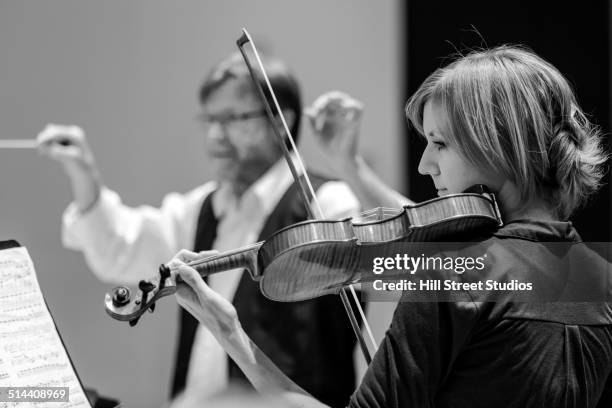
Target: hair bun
pixel 576 161
pixel 567 132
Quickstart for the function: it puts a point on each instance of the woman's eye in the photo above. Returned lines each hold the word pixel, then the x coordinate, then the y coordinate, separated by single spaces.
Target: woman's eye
pixel 439 145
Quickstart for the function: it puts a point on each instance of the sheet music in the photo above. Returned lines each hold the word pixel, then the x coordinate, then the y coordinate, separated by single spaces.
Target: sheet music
pixel 31 352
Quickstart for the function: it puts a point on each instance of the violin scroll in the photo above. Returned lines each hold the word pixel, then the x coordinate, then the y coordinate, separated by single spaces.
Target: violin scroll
pixel 120 306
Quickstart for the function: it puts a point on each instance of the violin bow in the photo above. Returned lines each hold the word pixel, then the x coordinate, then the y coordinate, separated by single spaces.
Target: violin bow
pixel 305 187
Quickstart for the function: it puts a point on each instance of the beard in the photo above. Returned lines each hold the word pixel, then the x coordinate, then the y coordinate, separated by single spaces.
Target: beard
pixel 225 169
pixel 240 173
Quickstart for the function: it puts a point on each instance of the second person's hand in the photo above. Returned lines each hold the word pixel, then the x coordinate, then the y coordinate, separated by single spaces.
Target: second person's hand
pixel 68 145
pixel 336 118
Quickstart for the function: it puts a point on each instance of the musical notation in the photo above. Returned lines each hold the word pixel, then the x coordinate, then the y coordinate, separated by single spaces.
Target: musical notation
pixel 36 331
pixel 31 352
pixel 29 358
pixel 40 368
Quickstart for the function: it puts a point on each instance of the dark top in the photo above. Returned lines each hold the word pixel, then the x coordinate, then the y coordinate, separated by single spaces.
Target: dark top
pixel 478 353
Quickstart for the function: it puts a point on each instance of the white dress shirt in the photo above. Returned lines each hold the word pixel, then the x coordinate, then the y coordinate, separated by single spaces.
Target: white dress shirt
pixel 123 245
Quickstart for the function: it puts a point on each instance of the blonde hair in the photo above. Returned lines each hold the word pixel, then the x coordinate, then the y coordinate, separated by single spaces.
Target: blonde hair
pixel 511 112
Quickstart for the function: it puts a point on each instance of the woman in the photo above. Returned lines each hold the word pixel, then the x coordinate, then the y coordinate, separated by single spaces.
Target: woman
pixel 507 119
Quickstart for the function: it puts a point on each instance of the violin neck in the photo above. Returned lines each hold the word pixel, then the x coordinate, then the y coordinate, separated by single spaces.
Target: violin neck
pixel 242 258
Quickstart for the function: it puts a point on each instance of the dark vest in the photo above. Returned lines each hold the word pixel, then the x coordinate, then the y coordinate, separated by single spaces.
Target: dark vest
pixel 310 341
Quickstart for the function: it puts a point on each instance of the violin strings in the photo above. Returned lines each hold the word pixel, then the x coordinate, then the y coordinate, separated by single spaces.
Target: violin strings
pixel 201 261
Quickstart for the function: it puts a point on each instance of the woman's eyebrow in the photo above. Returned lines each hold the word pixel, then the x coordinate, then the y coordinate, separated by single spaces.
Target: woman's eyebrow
pixel 435 133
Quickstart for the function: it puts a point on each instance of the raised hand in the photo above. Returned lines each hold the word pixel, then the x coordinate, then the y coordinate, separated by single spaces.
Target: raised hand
pixel 68 145
pixel 335 118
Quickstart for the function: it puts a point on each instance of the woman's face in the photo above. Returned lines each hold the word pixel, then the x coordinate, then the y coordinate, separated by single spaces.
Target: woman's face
pixel 451 173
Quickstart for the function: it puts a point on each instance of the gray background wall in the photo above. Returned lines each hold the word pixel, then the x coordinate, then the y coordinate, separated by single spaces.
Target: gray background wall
pixel 127 72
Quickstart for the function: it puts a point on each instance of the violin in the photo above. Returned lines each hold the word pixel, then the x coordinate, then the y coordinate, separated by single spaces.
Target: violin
pixel 319 257
pixel 313 258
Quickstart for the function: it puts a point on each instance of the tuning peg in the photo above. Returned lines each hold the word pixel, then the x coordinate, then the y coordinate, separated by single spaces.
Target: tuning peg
pixel 134 321
pixel 164 272
pixel 152 308
pixel 145 286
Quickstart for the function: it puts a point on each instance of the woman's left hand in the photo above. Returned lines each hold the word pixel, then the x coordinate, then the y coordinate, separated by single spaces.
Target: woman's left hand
pixel 220 317
pixel 192 293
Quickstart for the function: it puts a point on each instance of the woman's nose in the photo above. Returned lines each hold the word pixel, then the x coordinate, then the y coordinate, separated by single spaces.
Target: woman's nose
pixel 427 166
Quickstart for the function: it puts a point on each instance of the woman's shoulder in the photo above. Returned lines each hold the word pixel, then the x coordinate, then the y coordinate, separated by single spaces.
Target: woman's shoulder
pixel 538 231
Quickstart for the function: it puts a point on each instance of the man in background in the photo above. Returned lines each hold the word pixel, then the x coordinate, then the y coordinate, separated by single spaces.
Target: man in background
pixel 252 195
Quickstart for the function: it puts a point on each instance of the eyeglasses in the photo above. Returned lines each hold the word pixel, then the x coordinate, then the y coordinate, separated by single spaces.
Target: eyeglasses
pixel 229 121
